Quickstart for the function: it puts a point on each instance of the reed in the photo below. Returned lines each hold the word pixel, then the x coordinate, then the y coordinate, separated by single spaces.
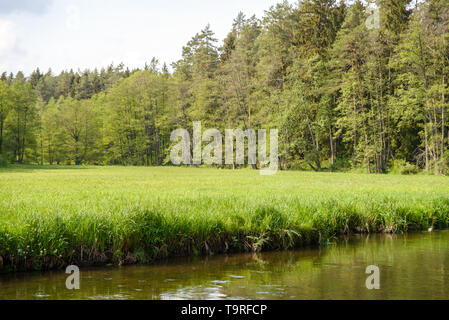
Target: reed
pixel 54 216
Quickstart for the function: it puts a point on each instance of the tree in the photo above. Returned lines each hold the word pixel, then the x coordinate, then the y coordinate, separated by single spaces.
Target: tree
pixel 22 120
pixel 5 106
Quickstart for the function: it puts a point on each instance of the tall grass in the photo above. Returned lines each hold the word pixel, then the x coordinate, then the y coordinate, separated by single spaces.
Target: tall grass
pixel 51 217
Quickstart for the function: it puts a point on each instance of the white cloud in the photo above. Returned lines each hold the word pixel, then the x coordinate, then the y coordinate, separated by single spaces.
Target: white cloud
pixel 8 37
pixel 72 34
pixel 31 6
pixel 73 20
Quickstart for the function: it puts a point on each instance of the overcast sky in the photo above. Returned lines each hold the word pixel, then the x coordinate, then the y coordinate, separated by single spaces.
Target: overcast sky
pixel 64 34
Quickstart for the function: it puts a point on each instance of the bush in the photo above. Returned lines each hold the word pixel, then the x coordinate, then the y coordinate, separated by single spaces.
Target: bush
pixel 299 165
pixel 3 161
pixel 343 164
pixel 409 169
pixel 400 166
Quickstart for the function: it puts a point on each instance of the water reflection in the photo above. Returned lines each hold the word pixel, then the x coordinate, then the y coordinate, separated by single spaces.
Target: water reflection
pixel 415 266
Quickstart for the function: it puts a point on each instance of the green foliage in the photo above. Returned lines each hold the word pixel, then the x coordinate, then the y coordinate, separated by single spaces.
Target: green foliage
pixel 3 161
pixel 400 166
pixel 100 215
pixel 341 94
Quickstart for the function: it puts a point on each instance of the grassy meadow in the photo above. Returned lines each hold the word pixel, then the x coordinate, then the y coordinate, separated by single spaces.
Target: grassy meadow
pixel 54 216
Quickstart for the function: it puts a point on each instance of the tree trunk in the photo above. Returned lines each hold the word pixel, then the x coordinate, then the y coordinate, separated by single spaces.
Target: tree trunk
pixel 426 147
pixel 354 152
pixel 442 123
pixel 332 147
pixel 1 135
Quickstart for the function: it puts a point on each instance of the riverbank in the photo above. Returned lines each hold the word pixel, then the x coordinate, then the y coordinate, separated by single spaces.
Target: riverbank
pixel 412 266
pixel 51 217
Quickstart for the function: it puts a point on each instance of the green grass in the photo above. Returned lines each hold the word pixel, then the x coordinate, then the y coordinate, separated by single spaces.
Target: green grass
pixel 54 216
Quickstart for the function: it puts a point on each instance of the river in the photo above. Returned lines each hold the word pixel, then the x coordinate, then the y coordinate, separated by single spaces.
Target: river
pixel 412 266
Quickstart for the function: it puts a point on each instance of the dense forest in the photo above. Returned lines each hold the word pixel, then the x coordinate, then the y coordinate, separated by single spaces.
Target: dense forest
pixel 342 94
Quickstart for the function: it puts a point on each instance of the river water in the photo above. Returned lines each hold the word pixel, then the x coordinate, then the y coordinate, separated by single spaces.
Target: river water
pixel 413 266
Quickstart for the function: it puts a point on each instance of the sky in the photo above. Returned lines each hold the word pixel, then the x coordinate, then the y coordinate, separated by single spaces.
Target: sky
pixel 80 34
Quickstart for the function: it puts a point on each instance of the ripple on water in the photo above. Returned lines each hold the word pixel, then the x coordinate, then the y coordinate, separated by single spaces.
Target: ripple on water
pixel 121 296
pixel 219 281
pixel 275 285
pixel 301 276
pixel 100 297
pixel 110 297
pixel 216 296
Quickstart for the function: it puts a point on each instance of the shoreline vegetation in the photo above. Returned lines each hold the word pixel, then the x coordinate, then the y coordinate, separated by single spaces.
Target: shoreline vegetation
pixel 52 216
pixel 343 94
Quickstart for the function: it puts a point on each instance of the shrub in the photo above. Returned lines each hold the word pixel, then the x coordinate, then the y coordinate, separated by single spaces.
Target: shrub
pixel 3 161
pixel 343 164
pixel 401 166
pixel 409 169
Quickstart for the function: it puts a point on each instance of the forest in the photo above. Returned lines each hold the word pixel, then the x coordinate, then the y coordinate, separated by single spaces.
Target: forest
pixel 342 94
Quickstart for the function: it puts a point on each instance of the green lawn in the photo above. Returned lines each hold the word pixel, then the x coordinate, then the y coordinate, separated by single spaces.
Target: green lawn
pixel 50 216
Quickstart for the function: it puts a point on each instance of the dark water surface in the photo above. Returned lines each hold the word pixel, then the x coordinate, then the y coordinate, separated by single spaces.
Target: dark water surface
pixel 413 266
